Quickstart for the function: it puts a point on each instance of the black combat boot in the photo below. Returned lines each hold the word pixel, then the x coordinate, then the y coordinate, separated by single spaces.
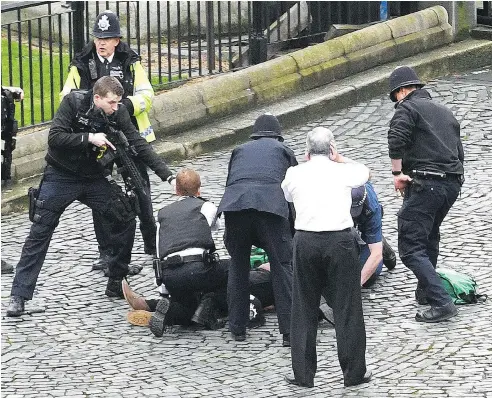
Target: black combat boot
pixel 114 289
pixel 206 314
pixel 389 256
pixel 16 306
pixel 132 270
pixel 157 322
pixel 101 263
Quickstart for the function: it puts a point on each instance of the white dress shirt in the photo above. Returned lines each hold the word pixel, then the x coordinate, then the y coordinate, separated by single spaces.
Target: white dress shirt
pixel 110 58
pixel 321 190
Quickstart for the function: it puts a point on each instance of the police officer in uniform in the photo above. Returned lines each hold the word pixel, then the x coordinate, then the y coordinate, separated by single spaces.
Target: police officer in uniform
pixel 188 264
pixel 73 173
pixel 107 55
pixel 256 213
pixel 427 166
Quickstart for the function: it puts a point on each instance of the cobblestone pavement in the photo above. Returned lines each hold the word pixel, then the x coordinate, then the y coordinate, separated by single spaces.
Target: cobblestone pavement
pixel 83 346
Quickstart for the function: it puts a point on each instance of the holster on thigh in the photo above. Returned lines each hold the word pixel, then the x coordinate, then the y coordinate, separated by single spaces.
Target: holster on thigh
pixel 120 207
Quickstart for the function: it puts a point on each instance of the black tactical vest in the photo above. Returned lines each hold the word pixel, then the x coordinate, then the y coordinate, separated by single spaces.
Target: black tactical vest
pixel 183 226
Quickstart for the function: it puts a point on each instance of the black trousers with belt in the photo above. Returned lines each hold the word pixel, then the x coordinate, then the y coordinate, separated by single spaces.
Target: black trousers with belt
pixel 327 260
pixel 186 284
pixel 426 203
pixel 272 233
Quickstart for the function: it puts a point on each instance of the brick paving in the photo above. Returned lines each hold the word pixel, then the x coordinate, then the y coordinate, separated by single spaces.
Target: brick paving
pixel 82 345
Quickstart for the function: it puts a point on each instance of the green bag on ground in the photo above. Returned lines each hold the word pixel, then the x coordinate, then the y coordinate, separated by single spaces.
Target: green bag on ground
pixel 461 287
pixel 258 257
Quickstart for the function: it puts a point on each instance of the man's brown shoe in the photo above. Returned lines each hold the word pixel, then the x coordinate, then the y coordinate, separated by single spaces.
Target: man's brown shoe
pixel 139 317
pixel 133 299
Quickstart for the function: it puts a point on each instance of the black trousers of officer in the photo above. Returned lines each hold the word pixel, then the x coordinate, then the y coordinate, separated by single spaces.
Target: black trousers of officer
pixel 327 259
pixel 260 286
pixel 272 233
pixel 148 226
pixel 58 190
pixel 187 282
pixel 425 205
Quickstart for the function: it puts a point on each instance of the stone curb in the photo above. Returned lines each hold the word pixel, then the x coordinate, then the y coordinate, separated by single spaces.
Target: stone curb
pixel 226 132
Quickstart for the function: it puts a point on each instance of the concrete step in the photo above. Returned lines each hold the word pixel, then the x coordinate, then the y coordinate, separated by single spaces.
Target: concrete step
pixel 482 32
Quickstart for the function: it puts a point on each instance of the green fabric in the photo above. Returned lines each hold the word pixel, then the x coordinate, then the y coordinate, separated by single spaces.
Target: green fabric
pixel 461 287
pixel 258 257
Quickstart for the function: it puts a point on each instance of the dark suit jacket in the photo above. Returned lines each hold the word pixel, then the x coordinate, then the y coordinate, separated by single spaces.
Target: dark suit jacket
pixel 256 170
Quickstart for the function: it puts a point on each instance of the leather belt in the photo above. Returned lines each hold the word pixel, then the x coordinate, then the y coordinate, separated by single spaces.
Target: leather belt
pixel 431 175
pixel 178 260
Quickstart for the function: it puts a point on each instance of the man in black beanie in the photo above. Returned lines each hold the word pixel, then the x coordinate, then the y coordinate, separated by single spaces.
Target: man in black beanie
pixel 256 213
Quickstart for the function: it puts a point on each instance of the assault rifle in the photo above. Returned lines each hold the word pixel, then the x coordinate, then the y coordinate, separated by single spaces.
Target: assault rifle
pixel 124 152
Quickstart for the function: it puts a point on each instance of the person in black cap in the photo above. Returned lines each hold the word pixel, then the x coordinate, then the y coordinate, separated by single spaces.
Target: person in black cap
pixel 256 213
pixel 107 55
pixel 427 166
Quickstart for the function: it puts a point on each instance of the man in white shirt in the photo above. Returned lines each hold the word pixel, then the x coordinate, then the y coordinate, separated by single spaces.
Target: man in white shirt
pixel 325 255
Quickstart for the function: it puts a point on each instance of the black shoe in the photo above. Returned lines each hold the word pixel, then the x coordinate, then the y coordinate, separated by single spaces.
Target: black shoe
pixel 132 270
pixel 114 289
pixel 286 340
pixel 101 263
pixel 206 314
pixel 366 379
pixel 239 337
pixel 437 314
pixel 7 268
pixel 389 255
pixel 157 322
pixel 327 313
pixel 256 316
pixel 420 296
pixel 16 306
pixel 292 380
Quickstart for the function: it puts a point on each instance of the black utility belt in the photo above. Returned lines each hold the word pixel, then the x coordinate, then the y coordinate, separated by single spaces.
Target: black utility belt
pixel 176 260
pixel 433 175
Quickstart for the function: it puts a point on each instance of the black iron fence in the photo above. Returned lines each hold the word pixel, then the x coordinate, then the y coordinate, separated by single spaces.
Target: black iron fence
pixel 177 40
pixel 484 13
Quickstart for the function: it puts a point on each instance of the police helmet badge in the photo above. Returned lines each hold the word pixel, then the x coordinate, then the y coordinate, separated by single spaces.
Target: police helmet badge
pixel 103 23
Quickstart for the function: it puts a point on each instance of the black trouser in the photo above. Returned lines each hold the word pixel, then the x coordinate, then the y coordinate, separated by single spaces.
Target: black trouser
pixel 271 233
pixel 425 205
pixel 58 190
pixel 260 286
pixel 148 226
pixel 327 259
pixel 187 282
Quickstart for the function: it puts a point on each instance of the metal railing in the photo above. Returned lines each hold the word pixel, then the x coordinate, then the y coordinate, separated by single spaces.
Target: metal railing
pixel 484 13
pixel 177 41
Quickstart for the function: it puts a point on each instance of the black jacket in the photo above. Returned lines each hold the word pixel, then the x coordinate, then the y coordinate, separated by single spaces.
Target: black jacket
pixel 256 170
pixel 68 145
pixel 123 53
pixel 425 135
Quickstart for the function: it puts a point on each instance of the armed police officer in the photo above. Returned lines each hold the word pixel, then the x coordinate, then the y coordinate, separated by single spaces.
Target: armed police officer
pixel 107 55
pixel 427 166
pixel 76 140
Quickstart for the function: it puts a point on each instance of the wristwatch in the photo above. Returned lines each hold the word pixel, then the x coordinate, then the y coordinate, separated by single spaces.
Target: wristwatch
pixel 396 173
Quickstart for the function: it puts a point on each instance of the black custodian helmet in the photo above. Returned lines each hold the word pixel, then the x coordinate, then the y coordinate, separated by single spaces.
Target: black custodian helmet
pixel 107 25
pixel 403 76
pixel 267 125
